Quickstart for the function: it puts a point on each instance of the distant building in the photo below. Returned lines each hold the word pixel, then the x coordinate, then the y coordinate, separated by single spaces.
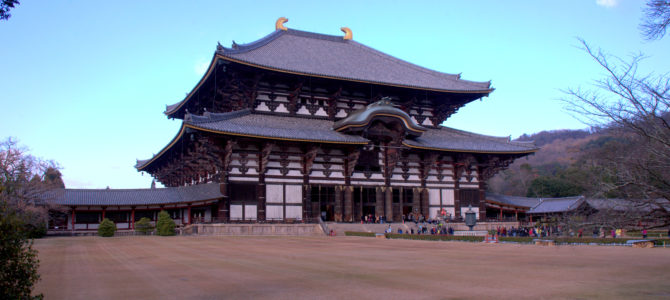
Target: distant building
pixel 300 125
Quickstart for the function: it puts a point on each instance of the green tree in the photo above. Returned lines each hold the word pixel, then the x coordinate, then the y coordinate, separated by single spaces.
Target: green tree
pixel 165 225
pixel 107 228
pixel 18 259
pixel 143 226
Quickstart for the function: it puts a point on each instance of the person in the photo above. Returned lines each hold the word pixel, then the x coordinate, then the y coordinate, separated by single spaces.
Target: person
pixel 399 230
pixel 580 232
pixel 613 233
pixel 595 232
pixel 644 233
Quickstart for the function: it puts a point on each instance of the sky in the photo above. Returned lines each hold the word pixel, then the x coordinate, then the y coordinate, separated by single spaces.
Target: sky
pixel 85 83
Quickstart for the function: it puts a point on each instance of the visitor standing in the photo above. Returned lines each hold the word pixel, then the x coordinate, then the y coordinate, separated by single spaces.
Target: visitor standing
pixel 644 233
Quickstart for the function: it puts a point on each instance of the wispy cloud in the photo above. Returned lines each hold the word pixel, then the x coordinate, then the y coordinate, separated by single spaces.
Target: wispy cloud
pixel 607 3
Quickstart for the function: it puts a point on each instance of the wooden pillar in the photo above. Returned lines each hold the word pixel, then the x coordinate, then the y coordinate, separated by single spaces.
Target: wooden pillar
pixel 260 207
pixel 307 202
pixel 482 200
pixel 338 204
pixel 388 197
pixel 501 212
pixel 132 217
pixel 224 203
pixel 348 203
pixel 73 216
pixel 516 214
pixel 401 204
pixel 425 210
pixel 379 201
pixel 457 199
pixel 104 208
pixel 416 200
pixel 190 217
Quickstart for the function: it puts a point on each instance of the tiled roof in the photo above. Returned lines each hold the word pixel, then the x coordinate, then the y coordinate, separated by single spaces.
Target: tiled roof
pixel 540 205
pixel 556 205
pixel 513 200
pixel 244 122
pixel 449 139
pixel 332 56
pixel 125 197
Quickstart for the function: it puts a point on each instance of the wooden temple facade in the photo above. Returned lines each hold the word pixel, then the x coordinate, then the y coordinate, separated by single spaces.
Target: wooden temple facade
pixel 300 125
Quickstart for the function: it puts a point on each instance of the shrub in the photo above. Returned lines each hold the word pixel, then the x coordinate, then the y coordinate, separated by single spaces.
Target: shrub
pixel 165 225
pixel 144 226
pixel 18 259
pixel 106 228
pixel 356 233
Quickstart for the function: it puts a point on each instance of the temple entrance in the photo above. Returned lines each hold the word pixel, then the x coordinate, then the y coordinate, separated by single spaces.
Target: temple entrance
pixel 323 201
pixel 364 202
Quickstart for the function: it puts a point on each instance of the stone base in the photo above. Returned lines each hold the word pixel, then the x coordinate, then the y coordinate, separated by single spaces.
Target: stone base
pixel 470 233
pixel 255 229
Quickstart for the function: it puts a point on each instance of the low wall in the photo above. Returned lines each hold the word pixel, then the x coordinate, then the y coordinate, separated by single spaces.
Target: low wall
pixel 255 229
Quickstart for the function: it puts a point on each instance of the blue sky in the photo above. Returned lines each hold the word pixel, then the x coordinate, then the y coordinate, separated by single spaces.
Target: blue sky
pixel 85 83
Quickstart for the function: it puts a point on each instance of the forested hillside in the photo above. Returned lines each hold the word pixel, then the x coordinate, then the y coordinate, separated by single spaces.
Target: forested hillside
pixel 561 168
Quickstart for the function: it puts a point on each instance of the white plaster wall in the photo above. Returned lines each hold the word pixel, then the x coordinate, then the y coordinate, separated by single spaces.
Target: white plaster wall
pixel 274 212
pixel 294 212
pixel 236 212
pixel 303 111
pixel 281 108
pixel 293 194
pixel 451 212
pixel 447 197
pixel 432 212
pixel 250 212
pixel 321 112
pixel 341 113
pixel 433 197
pixel 274 193
pixel 262 107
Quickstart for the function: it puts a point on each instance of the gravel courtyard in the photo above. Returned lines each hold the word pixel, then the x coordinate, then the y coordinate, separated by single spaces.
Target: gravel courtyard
pixel 342 267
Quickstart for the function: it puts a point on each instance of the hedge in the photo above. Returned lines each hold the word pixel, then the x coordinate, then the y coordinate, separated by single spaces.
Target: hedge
pixel 527 239
pixel 106 228
pixel 356 233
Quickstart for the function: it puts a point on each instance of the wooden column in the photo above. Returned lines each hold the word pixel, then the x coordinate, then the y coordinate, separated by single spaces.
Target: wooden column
pixel 416 200
pixel 73 216
pixel 306 201
pixel 425 210
pixel 379 201
pixel 338 204
pixel 190 217
pixel 348 203
pixel 224 202
pixel 457 200
pixel 132 217
pixel 501 212
pixel 104 208
pixel 482 201
pixel 388 199
pixel 349 165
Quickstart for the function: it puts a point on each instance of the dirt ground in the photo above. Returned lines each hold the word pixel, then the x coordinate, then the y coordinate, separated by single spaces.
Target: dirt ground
pixel 342 267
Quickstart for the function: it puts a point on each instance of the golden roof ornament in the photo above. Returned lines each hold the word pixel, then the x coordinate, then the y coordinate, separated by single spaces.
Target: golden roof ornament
pixel 279 25
pixel 347 33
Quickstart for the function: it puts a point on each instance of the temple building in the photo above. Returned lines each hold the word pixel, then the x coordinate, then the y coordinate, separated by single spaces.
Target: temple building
pixel 300 125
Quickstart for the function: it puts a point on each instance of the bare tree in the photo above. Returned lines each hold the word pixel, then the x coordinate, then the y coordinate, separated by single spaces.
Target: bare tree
pixel 27 183
pixel 636 108
pixel 656 19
